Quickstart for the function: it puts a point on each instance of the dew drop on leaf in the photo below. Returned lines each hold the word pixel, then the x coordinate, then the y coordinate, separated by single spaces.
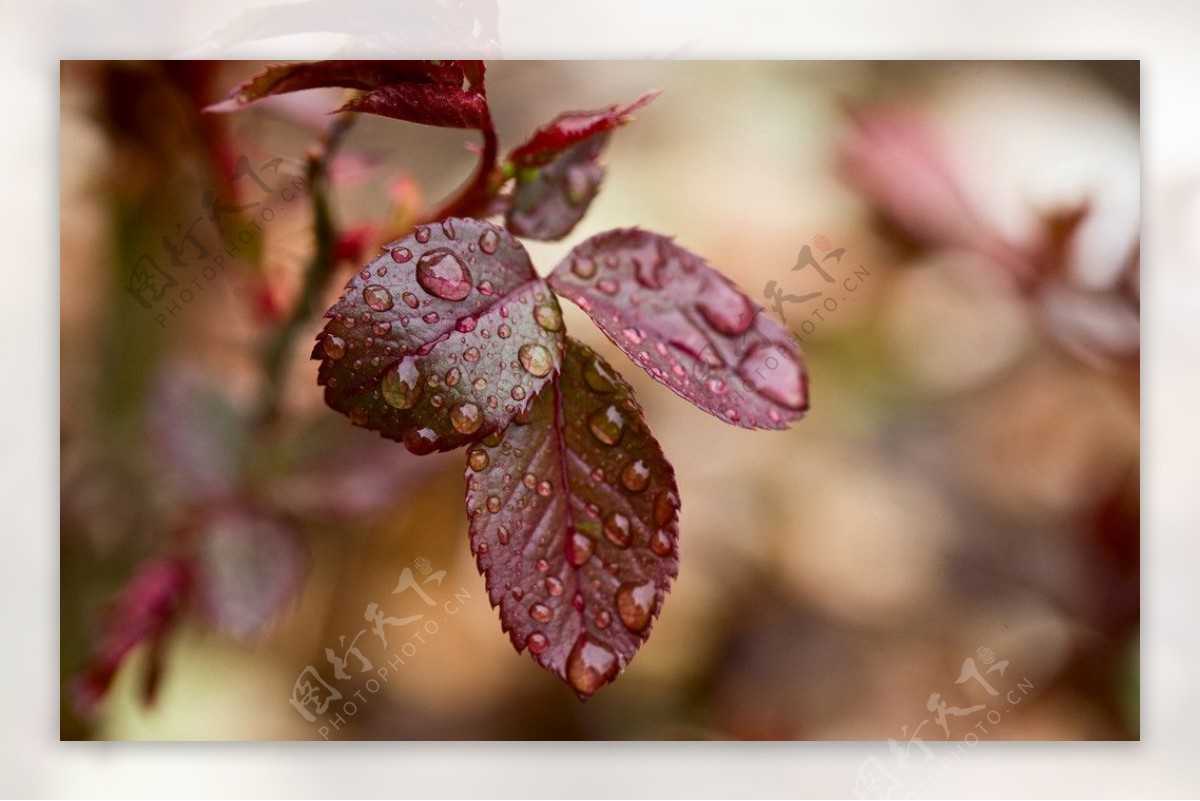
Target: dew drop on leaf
pixel 377 297
pixel 541 613
pixel 537 643
pixel 443 275
pixel 536 359
pixel 489 240
pixel 478 459
pixel 635 476
pixel 635 605
pixel 607 424
pixel 590 666
pixel 401 384
pixel 616 529
pixel 335 347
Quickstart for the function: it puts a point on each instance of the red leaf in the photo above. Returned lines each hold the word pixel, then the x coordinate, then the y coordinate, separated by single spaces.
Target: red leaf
pixel 574 519
pixel 248 569
pixel 688 326
pixel 145 611
pixel 558 173
pixel 441 340
pixel 443 93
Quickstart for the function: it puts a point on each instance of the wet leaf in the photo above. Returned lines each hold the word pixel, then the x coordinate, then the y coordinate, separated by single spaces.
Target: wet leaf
pixel 442 339
pixel 144 612
pixel 574 519
pixel 249 568
pixel 558 173
pixel 688 326
pixel 444 93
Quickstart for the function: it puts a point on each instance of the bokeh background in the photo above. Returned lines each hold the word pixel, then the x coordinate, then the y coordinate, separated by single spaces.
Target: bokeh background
pixel 965 484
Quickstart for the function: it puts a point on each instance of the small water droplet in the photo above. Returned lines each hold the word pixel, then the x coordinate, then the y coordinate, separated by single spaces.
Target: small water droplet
pixel 607 286
pixel 603 620
pixel 635 605
pixel 537 643
pixel 616 529
pixel 660 543
pixel 448 228
pixel 554 586
pixel 518 393
pixel 437 401
pixel 548 316
pixel 504 332
pixel 466 418
pixel 479 384
pixel 381 329
pixel 486 288
pixel 664 507
pixel 584 268
pixel 489 241
pixel 335 346
pixel 378 298
pixel 541 613
pixel 544 489
pixel 401 255
pixel 543 565
pixel 401 384
pixel 453 376
pixel 635 476
pixel 597 375
pixel 518 593
pixel 443 275
pixel 482 549
pixel 410 300
pixel 493 504
pixel 431 318
pixel 420 440
pixel 478 459
pixel 607 424
pixel 466 325
pixel 502 535
pixel 775 375
pixel 471 354
pixel 579 183
pixel 536 359
pixel 422 235
pixel 634 335
pixel 579 548
pixel 590 666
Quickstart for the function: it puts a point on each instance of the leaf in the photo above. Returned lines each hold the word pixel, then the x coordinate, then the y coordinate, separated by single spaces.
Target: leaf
pixel 448 94
pixel 688 326
pixel 558 173
pixel 574 519
pixel 248 568
pixel 144 612
pixel 441 340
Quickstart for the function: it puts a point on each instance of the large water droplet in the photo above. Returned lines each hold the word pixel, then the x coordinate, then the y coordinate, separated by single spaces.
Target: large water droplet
pixel 596 375
pixel 607 424
pixel 725 308
pixel 335 346
pixel 660 543
pixel 583 267
pixel 378 298
pixel 554 586
pixel 775 375
pixel 548 316
pixel 579 548
pixel 443 275
pixel 590 666
pixel 401 384
pixel 489 241
pixel 664 507
pixel 420 440
pixel 635 605
pixel 541 613
pixel 536 359
pixel 401 255
pixel 537 643
pixel 466 418
pixel 635 476
pixel 478 459
pixel 616 529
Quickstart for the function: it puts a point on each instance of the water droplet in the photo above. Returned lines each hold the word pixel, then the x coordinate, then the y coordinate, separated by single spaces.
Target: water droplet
pixel 607 424
pixel 482 549
pixel 635 476
pixel 584 268
pixel 486 288
pixel 466 325
pixel 335 347
pixel 401 255
pixel 537 643
pixel 660 543
pixel 431 318
pixel 489 241
pixel 548 316
pixel 504 332
pixel 378 298
pixel 401 384
pixel 544 489
pixel 635 605
pixel 579 548
pixel 536 359
pixel 493 504
pixel 478 459
pixel 453 376
pixel 579 184
pixel 775 375
pixel 664 507
pixel 733 415
pixel 381 329
pixel 410 300
pixel 541 613
pixel 466 418
pixel 607 286
pixel 530 480
pixel 502 535
pixel 420 440
pixel 597 375
pixel 726 309
pixel 479 384
pixel 518 393
pixel 443 275
pixel 598 475
pixel 634 335
pixel 543 565
pixel 422 235
pixel 437 401
pixel 590 666
pixel 616 529
pixel 518 593
pixel 717 386
pixel 471 354
pixel 448 228
pixel 554 586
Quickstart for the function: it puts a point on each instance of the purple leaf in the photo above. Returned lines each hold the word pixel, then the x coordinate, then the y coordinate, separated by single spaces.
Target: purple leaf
pixel 688 326
pixel 442 339
pixel 248 569
pixel 574 518
pixel 144 612
pixel 558 173
pixel 443 93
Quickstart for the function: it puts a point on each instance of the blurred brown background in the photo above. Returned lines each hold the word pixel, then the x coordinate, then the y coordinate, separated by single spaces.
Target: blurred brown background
pixel 965 485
